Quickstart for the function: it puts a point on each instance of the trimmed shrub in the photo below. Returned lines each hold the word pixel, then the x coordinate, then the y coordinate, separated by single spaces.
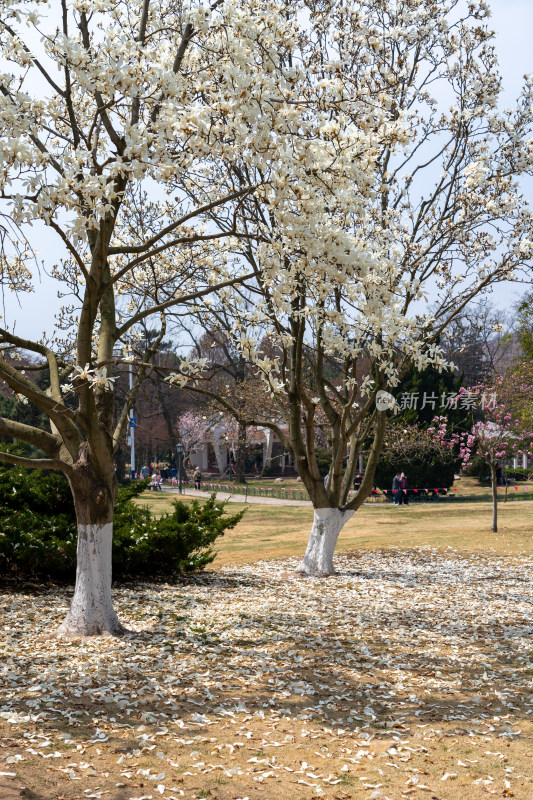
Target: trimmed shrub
pixel 517 473
pixel 37 524
pixel 38 531
pixel 177 542
pixel 477 469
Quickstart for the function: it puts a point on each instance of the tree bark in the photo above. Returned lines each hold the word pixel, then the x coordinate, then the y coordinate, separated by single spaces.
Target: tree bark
pixel 494 527
pixel 167 417
pixel 91 612
pixel 318 558
pixel 240 455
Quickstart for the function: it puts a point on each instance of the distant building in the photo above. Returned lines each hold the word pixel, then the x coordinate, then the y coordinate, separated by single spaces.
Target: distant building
pixel 217 445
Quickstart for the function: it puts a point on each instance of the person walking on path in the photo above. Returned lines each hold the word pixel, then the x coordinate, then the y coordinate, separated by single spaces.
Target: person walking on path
pixel 397 489
pixel 197 478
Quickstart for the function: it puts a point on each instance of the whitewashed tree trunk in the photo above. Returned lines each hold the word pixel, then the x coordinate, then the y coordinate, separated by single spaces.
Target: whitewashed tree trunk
pixel 91 612
pixel 318 558
pixel 94 485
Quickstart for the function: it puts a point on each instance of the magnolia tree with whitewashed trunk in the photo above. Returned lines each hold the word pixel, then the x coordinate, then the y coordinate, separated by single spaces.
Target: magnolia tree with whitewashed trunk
pixel 114 120
pixel 404 186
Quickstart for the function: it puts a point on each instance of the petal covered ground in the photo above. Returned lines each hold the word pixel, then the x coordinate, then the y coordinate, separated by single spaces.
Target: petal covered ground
pixel 407 675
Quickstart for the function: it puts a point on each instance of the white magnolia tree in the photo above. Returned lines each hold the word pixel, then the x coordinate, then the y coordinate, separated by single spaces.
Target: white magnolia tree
pixel 403 186
pixel 111 113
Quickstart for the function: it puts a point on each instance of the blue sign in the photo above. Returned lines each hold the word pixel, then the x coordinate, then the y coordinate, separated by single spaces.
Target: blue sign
pixel 133 422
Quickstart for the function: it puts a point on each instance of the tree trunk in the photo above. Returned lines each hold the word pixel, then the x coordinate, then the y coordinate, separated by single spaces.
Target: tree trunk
pixel 91 611
pixel 167 417
pixel 318 558
pixel 120 463
pixel 494 527
pixel 240 455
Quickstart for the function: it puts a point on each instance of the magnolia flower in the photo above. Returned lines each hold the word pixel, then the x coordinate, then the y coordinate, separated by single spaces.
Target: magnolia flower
pixel 84 373
pixel 101 381
pixel 178 380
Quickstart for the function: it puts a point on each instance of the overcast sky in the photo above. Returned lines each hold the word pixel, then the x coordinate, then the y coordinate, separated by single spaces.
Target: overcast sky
pixel 513 22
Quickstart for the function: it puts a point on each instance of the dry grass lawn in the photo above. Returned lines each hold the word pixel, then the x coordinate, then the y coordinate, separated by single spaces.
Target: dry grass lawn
pixel 278 531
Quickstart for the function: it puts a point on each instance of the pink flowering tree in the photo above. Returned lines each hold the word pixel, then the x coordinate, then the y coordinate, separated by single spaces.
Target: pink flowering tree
pixel 193 430
pixel 462 443
pixel 498 436
pixel 197 428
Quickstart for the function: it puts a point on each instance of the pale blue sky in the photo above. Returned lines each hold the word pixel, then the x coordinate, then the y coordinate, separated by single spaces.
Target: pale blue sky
pixel 513 22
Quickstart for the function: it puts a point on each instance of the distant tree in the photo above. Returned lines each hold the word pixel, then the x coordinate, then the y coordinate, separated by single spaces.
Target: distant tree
pixel 515 391
pixel 193 431
pixel 157 407
pixel 524 325
pixel 229 373
pixel 480 342
pixel 422 394
pixel 497 436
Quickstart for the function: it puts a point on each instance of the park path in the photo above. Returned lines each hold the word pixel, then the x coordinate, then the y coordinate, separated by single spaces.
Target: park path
pixel 277 501
pixel 240 498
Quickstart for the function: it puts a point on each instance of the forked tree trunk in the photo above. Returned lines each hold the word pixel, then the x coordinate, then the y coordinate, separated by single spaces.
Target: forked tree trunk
pixel 91 612
pixel 318 558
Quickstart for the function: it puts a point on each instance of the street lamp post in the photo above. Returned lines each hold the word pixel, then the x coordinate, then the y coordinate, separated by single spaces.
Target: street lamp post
pixel 179 448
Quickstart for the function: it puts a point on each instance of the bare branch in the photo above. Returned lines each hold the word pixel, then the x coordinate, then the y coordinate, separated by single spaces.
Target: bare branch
pixel 179 300
pixel 45 441
pixel 142 248
pixel 36 463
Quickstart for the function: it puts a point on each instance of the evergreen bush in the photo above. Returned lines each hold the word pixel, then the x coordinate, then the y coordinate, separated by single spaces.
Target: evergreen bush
pixel 38 531
pixel 517 473
pixel 477 468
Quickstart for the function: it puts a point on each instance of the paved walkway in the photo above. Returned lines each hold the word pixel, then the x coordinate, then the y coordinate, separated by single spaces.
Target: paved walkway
pixel 240 498
pixel 277 501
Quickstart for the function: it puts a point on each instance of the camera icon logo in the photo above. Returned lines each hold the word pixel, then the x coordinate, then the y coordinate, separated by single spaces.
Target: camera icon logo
pixel 385 401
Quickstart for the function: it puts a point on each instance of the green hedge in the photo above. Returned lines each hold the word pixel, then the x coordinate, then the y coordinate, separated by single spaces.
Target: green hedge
pixel 517 473
pixel 430 474
pixel 38 531
pixel 478 468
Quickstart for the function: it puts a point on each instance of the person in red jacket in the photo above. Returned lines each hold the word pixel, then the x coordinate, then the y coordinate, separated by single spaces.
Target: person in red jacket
pixel 403 482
